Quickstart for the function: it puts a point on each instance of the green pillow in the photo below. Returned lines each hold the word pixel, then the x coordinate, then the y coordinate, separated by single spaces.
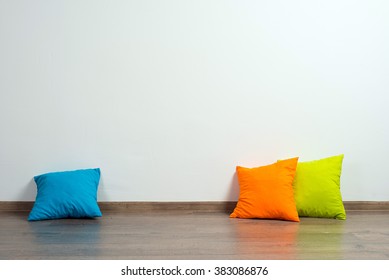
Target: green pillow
pixel 317 188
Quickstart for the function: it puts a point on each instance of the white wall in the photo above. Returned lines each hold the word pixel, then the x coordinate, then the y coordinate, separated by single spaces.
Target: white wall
pixel 167 97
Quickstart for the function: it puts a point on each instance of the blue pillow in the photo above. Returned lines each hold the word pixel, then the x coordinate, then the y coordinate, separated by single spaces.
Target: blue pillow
pixel 68 194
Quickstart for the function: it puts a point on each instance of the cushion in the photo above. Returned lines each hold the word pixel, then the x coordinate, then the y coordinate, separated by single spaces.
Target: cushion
pixel 266 192
pixel 317 188
pixel 68 194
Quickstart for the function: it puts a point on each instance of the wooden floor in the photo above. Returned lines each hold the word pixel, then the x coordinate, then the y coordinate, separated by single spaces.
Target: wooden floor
pixel 194 235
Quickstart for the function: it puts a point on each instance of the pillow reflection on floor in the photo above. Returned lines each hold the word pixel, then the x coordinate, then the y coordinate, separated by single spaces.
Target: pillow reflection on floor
pixel 67 194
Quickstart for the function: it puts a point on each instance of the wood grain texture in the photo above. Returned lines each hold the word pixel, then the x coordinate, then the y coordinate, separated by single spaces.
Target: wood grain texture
pixel 190 234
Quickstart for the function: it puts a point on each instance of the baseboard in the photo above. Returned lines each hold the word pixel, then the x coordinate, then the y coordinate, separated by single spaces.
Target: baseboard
pixel 366 205
pixel 195 206
pixel 16 205
pixel 205 206
pixel 138 206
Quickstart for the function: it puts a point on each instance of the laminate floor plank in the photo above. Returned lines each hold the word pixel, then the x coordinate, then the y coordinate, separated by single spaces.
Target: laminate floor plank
pixel 194 235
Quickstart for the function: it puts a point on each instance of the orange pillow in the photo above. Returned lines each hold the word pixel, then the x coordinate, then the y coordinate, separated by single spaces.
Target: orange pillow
pixel 267 192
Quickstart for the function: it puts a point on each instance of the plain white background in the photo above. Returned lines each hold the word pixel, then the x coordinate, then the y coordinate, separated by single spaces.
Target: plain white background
pixel 168 96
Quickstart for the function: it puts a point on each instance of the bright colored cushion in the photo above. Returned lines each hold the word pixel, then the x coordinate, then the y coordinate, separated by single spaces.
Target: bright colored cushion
pixel 266 192
pixel 317 188
pixel 69 194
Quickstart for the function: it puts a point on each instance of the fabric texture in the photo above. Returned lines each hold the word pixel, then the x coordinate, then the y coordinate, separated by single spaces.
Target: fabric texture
pixel 317 188
pixel 266 192
pixel 68 194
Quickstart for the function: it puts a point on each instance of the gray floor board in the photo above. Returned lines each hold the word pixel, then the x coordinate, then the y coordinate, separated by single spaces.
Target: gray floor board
pixel 194 235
